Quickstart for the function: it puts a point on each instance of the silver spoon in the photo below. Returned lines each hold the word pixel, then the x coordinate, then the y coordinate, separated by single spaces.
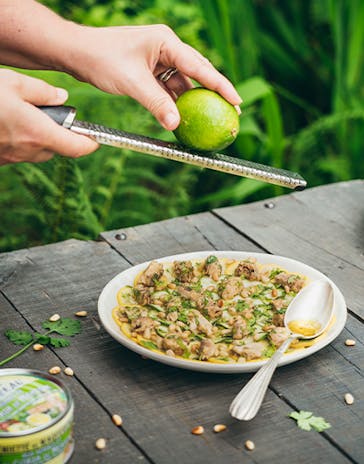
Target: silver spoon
pixel 313 305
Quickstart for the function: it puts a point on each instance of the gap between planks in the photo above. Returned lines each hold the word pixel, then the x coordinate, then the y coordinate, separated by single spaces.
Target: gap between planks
pixel 274 390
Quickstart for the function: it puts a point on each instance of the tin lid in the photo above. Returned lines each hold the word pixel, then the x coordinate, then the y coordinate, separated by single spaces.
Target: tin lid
pixel 30 401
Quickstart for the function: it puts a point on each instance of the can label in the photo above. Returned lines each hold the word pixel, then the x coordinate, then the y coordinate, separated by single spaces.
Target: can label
pixel 35 420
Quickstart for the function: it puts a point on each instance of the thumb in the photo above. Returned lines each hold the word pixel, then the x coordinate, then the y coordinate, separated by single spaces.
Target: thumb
pixel 156 100
pixel 38 92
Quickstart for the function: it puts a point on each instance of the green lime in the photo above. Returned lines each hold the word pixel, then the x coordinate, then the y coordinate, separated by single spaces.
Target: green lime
pixel 208 121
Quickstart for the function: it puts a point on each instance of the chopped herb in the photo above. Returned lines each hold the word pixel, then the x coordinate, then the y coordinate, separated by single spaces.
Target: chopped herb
pixel 307 421
pixel 156 307
pixel 148 344
pixel 161 331
pixel 269 352
pixel 241 305
pixel 211 259
pixel 275 272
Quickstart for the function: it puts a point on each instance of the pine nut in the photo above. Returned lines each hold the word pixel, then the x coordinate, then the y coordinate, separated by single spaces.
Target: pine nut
pixel 349 399
pixel 350 342
pixel 100 443
pixel 219 428
pixel 274 292
pixel 171 285
pixel 220 303
pixel 54 370
pixel 117 420
pixel 55 318
pixel 81 314
pixel 249 445
pixel 199 430
pixel 68 371
pixel 38 347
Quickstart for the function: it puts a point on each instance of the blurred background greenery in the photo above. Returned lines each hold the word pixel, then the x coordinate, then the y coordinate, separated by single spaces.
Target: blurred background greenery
pixel 298 66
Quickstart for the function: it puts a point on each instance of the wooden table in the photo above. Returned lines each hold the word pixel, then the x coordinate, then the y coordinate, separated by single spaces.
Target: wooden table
pixel 322 227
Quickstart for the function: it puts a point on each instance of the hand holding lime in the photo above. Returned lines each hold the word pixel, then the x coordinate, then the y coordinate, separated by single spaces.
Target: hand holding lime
pixel 208 121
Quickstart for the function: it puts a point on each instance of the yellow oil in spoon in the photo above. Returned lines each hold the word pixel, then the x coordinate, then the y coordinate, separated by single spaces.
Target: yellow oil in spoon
pixel 305 327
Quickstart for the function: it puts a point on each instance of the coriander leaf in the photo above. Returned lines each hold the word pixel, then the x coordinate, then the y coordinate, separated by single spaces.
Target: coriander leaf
pixel 211 259
pixel 65 326
pixel 19 338
pixel 307 421
pixel 59 342
pixel 319 424
pixel 40 338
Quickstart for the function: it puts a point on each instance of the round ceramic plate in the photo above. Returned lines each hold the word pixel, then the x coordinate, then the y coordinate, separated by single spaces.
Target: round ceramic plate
pixel 107 301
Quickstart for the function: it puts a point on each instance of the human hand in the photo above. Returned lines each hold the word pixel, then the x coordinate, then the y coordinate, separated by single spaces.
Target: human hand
pixel 127 61
pixel 26 133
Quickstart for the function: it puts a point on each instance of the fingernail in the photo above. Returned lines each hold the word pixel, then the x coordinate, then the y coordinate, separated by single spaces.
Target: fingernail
pixel 62 94
pixel 238 110
pixel 170 121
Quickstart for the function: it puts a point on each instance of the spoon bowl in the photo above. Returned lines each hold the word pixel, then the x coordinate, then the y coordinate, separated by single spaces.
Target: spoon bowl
pixel 311 309
pixel 313 303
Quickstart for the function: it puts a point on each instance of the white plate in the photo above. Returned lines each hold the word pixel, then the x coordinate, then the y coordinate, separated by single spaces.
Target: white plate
pixel 107 301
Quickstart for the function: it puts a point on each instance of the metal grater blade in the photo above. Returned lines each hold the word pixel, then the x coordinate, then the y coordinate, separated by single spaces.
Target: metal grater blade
pixel 219 162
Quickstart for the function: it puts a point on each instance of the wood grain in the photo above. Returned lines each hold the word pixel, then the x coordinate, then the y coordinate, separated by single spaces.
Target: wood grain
pixel 316 235
pixel 91 419
pixel 160 404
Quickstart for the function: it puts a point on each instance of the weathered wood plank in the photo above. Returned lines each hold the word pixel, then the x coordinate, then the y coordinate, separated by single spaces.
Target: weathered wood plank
pixel 292 228
pixel 159 404
pixel 91 419
pixel 347 365
pixel 179 235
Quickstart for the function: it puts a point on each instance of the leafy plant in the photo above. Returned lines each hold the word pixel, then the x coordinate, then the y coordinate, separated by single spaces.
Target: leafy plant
pixel 65 326
pixel 307 421
pixel 299 68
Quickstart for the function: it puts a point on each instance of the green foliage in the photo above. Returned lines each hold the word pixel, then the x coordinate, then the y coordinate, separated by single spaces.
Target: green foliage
pixel 66 326
pixel 307 421
pixel 299 69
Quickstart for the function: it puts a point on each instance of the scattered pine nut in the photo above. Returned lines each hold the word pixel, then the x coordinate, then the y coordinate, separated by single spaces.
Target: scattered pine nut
pixel 38 347
pixel 54 370
pixel 68 371
pixel 100 443
pixel 350 342
pixel 171 285
pixel 118 421
pixel 55 318
pixel 199 430
pixel 219 428
pixel 274 292
pixel 249 445
pixel 81 314
pixel 220 303
pixel 349 399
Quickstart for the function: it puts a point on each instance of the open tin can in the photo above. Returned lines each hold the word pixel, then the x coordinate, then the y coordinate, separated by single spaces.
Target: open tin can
pixel 36 418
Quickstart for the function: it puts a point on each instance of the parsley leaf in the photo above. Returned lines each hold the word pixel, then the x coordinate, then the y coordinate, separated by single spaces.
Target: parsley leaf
pixel 211 259
pixel 65 326
pixel 19 338
pixel 59 342
pixel 40 338
pixel 307 421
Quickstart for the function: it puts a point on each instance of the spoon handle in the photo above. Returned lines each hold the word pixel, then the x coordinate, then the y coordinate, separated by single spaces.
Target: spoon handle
pixel 248 401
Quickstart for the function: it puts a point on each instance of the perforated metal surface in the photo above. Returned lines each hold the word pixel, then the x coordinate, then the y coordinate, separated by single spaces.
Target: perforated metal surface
pixel 216 161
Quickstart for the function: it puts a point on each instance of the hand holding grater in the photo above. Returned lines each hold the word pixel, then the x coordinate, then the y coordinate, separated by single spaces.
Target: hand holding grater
pixel 65 116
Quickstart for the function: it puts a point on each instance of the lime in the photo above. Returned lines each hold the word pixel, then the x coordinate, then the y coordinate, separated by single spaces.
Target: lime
pixel 208 121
